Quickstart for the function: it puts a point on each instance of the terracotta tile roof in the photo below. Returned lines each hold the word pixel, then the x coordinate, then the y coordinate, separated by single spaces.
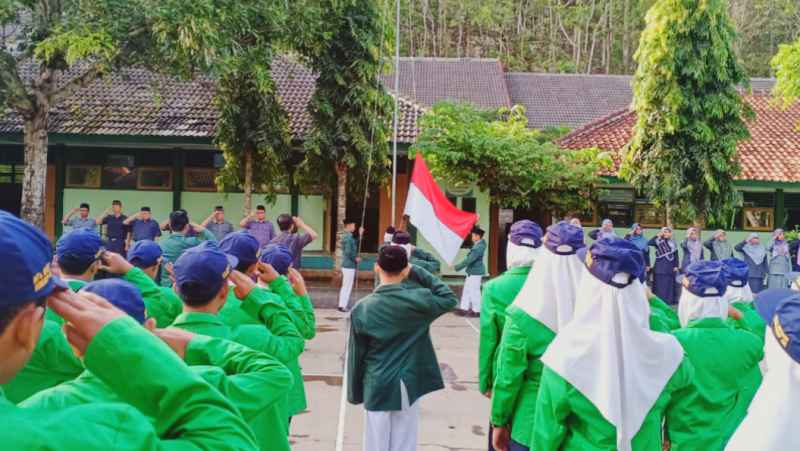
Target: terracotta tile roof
pixel 771 154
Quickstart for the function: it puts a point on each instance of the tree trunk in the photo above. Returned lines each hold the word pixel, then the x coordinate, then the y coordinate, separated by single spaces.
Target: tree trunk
pixel 35 176
pixel 341 211
pixel 668 213
pixel 248 180
pixel 626 36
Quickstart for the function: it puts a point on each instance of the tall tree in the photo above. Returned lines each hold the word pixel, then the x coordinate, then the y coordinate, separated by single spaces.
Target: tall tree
pixel 341 41
pixel 690 113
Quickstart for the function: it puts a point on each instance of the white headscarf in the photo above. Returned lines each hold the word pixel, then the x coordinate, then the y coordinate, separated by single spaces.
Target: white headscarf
pixel 772 421
pixel 738 294
pixel 549 293
pixel 520 255
pixel 610 355
pixel 692 306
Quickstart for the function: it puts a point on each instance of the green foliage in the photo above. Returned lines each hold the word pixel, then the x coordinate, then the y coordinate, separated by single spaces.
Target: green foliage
pixel 690 112
pixel 505 158
pixel 787 70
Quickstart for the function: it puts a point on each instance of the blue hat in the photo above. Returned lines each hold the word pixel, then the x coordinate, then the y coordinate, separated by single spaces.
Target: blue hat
pixel 768 300
pixel 242 245
pixel 80 246
pixel 785 326
pixel 614 261
pixel 736 271
pixel 122 294
pixel 706 278
pixel 202 270
pixel 279 256
pixel 144 253
pixel 525 233
pixel 27 254
pixel 564 238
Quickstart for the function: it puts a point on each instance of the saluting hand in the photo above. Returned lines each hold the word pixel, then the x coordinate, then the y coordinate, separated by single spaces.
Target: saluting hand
pixel 114 263
pixel 84 315
pixel 266 273
pixel 242 284
pixel 297 281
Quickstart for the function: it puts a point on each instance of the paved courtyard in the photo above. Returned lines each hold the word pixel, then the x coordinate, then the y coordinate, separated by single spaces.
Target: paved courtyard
pixel 453 419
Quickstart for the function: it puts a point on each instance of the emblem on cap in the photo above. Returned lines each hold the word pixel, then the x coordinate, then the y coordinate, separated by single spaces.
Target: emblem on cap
pixel 227 272
pixel 783 339
pixel 41 278
pixel 589 260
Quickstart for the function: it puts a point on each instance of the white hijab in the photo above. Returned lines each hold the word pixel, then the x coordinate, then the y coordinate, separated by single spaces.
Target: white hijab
pixel 738 294
pixel 692 306
pixel 520 255
pixel 610 355
pixel 549 293
pixel 772 421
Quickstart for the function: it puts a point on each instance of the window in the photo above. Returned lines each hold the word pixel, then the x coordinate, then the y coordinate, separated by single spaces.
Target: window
pixel 648 215
pixel 154 178
pixel 758 211
pixel 119 171
pixel 199 179
pixel 83 176
pixel 11 173
pixel 587 217
pixel 131 170
pixel 616 204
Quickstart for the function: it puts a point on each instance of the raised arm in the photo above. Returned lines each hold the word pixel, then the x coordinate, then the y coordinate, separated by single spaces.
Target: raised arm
pixel 99 219
pixel 298 221
pixel 208 219
pixel 709 243
pixel 69 216
pixel 246 220
pixel 129 220
pixel 443 297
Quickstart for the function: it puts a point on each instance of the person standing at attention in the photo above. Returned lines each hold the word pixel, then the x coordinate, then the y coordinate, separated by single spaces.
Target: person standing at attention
pixel 259 226
pixel 692 248
pixel 142 226
pixel 718 246
pixel 291 237
pixel 475 269
pixel 116 230
pixel 780 264
pixel 350 261
pixel 178 241
pixel 665 267
pixel 216 223
pixel 391 360
pixel 755 255
pixel 636 236
pixel 606 230
pixel 82 221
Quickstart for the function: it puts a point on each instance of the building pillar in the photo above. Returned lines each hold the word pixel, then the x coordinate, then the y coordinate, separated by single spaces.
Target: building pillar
pixel 178 162
pixel 780 210
pixel 61 175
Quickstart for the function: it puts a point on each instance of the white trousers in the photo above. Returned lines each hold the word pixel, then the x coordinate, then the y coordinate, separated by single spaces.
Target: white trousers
pixel 395 430
pixel 348 277
pixel 471 294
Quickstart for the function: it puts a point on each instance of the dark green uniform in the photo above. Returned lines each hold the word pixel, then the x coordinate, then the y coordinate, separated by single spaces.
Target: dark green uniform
pixel 175 244
pixel 473 263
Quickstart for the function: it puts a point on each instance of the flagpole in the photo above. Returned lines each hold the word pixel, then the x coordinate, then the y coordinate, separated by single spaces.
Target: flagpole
pixel 396 109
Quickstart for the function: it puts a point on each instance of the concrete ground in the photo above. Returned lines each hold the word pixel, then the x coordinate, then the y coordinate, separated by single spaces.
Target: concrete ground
pixel 452 419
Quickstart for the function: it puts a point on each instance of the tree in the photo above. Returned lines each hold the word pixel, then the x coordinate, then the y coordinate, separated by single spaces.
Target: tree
pixel 690 113
pixel 498 153
pixel 341 40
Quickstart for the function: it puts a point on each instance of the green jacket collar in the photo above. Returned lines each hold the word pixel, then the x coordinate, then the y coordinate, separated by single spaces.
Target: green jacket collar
pixel 707 323
pixel 198 318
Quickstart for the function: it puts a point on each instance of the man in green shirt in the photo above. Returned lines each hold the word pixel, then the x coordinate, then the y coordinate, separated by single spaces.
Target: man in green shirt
pixel 187 413
pixel 391 362
pixel 178 241
pixel 475 269
pixel 78 258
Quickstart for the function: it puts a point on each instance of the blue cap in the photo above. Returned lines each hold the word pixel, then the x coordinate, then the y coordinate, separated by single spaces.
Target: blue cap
pixel 27 254
pixel 785 326
pixel 144 253
pixel 80 246
pixel 768 300
pixel 525 233
pixel 564 238
pixel 242 245
pixel 279 256
pixel 614 261
pixel 122 294
pixel 202 270
pixel 736 271
pixel 706 278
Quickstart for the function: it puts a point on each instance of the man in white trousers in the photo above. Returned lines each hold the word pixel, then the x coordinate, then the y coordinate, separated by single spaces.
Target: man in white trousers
pixel 350 261
pixel 475 269
pixel 391 363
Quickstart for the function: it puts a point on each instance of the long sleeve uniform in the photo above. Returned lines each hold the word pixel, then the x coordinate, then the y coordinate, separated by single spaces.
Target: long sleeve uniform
pixel 162 303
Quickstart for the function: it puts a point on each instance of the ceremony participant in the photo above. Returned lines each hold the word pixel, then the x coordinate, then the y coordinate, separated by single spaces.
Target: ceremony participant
pixel 662 317
pixel 291 237
pixel 780 264
pixel 217 224
pixel 418 256
pixel 187 412
pixel 391 360
pixel 544 305
pixel 706 415
pixel 636 236
pixel 82 221
pixel 692 248
pixel 772 423
pixel 116 231
pixel 665 267
pixel 388 235
pixel 608 380
pixel 475 269
pixel 350 261
pixel 718 246
pixel 78 257
pixel 755 255
pixel 296 297
pixel 174 245
pixel 259 226
pixel 142 226
pixel 606 230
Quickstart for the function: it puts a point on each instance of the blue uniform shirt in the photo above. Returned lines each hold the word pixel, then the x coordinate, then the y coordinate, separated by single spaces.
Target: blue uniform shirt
pixel 145 230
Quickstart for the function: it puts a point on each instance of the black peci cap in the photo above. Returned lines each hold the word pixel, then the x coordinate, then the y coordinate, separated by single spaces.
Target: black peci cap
pixel 393 259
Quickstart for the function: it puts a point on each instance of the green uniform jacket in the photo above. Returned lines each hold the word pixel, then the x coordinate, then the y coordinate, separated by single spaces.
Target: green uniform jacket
pixel 162 303
pixel 349 250
pixel 425 260
pixel 390 341
pixel 187 413
pixel 300 307
pixel 251 380
pixel 74 285
pixel 567 421
pixel 473 264
pixel 519 370
pixel 498 294
pixel 175 244
pixel 719 354
pixel 52 363
pixel 662 317
pixel 266 308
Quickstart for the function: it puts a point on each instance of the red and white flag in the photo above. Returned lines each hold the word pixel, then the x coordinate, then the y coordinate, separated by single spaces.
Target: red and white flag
pixel 438 220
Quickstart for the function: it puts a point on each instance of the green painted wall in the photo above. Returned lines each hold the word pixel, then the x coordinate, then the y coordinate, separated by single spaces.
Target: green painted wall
pixel 312 210
pixel 159 201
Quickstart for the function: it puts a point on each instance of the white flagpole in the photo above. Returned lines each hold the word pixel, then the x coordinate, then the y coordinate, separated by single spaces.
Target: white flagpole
pixel 396 110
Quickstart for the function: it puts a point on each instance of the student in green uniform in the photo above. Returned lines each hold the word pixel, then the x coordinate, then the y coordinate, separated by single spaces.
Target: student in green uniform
pixel 78 258
pixel 706 416
pixel 173 246
pixel 608 380
pixel 662 317
pixel 391 362
pixel 541 308
pixel 186 411
pixel 739 296
pixel 202 277
pixel 475 269
pixel 350 261
pixel 293 293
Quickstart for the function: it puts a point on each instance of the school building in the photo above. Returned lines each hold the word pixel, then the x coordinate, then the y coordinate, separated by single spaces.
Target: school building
pixel 147 139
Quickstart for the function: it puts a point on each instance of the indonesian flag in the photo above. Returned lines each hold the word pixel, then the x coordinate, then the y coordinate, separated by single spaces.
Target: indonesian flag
pixel 429 210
